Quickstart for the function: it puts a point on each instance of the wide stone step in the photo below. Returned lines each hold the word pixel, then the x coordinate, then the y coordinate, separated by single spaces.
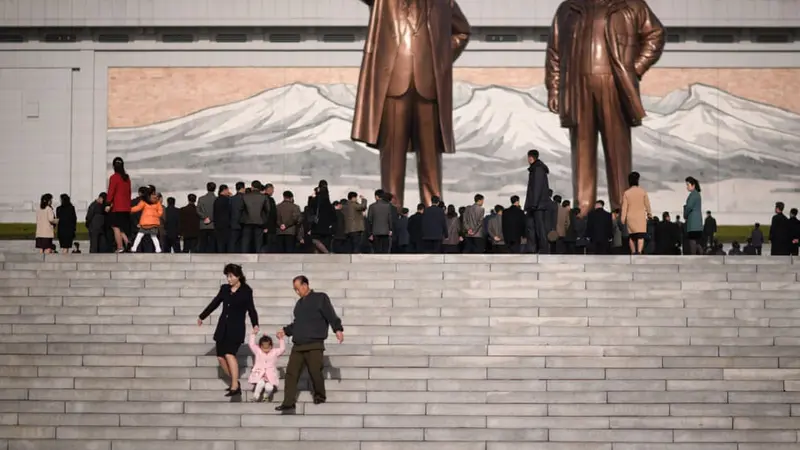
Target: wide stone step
pixel 444 352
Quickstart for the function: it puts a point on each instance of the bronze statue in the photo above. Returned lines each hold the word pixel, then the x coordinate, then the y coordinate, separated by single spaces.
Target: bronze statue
pixel 405 89
pixel 597 53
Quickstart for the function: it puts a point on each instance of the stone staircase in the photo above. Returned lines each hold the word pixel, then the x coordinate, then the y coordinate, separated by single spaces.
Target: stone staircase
pixel 462 352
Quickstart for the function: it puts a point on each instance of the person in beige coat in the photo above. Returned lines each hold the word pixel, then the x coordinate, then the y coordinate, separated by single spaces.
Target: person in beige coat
pixel 635 213
pixel 45 225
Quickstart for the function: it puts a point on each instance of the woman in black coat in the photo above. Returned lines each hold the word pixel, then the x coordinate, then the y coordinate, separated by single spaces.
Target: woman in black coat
pixel 323 217
pixel 236 299
pixel 67 223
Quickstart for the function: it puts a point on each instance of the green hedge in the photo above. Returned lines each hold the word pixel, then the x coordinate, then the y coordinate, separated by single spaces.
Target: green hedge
pixel 22 231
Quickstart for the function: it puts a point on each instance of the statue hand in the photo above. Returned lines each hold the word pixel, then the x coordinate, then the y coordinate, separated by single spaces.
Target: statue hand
pixel 552 104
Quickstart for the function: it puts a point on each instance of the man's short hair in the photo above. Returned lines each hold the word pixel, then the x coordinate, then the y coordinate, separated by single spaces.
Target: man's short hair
pixel 780 206
pixel 351 195
pixel 600 202
pixel 533 154
pixel 435 200
pixel 192 198
pixel 171 201
pixel 379 193
pixel 239 186
pixel 211 186
pixel 478 197
pixel 420 206
pixel 288 194
pixel 498 208
pixel 301 278
pixel 514 199
pixel 557 198
pixel 223 188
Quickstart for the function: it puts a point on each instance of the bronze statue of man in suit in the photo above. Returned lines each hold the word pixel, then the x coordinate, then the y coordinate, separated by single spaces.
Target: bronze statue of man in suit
pixel 405 89
pixel 597 54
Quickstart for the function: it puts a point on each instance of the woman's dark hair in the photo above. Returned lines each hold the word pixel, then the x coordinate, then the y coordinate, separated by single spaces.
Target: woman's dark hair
pixel 265 339
pixel 119 167
pixel 45 202
pixel 235 270
pixel 451 211
pixel 693 181
pixel 633 179
pixel 65 200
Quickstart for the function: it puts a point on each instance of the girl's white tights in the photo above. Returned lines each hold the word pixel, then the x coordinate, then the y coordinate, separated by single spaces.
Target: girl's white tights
pixel 138 241
pixel 262 386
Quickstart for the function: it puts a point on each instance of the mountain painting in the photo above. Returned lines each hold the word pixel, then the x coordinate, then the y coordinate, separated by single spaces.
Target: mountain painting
pixel 746 153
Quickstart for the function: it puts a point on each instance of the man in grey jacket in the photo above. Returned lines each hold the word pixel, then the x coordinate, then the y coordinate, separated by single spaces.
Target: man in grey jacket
pixel 475 241
pixel 205 209
pixel 255 213
pixel 380 220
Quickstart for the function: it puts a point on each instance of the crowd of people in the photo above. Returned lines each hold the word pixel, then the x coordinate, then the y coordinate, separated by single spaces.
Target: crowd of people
pixel 248 219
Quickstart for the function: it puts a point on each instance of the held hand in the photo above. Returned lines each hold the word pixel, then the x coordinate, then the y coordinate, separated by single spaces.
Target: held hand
pixel 108 208
pixel 266 231
pixel 371 237
pixel 206 221
pixel 280 334
pixel 283 227
pixel 256 329
pixel 552 104
pixel 199 322
pixel 339 336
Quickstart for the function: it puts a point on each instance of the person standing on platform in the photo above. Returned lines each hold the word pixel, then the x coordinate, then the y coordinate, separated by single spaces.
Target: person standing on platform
pixel 693 213
pixel 205 207
pixel 636 212
pixel 237 206
pixel 119 204
pixel 222 219
pixel 536 203
pixel 313 315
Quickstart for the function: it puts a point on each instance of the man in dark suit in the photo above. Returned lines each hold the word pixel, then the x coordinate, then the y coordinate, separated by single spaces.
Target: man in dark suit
pixel 189 227
pixel 222 219
pixel 235 242
pixel 780 233
pixel 794 232
pixel 668 236
pixel 172 220
pixel 599 229
pixel 415 230
pixel 514 226
pixel 272 219
pixel 434 227
pixel 537 203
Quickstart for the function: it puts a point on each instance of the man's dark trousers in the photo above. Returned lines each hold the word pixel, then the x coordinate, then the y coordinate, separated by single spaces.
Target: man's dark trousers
pixel 310 356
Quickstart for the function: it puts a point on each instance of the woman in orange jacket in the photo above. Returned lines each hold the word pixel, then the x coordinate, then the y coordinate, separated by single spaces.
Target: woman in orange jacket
pixel 150 221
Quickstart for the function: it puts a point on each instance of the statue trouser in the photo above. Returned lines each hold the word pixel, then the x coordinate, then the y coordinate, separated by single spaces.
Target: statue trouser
pixel 599 111
pixel 410 120
pixel 536 231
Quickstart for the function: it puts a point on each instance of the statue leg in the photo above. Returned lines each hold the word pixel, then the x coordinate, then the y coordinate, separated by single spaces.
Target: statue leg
pixel 427 140
pixel 616 137
pixel 393 141
pixel 583 138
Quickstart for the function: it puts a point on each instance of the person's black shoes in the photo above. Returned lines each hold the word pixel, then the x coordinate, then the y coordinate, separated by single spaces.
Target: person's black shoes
pixel 284 408
pixel 318 401
pixel 238 391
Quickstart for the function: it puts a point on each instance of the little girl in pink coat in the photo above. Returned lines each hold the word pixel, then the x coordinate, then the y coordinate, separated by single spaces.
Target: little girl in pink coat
pixel 264 374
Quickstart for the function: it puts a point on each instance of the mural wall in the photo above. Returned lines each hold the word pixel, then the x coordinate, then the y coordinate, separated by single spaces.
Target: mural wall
pixel 736 130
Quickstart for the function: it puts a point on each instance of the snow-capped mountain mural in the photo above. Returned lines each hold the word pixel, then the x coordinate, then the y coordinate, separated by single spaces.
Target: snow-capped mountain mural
pixel 299 133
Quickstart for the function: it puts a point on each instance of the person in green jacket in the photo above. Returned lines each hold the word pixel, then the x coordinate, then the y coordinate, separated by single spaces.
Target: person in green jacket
pixel 693 213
